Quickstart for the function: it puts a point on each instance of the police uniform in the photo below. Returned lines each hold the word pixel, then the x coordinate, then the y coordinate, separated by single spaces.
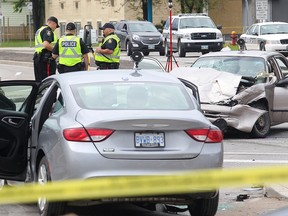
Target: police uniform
pixel 44 66
pixel 70 50
pixel 111 42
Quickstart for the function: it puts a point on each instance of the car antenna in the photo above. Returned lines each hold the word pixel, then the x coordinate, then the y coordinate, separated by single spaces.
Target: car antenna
pixel 136 57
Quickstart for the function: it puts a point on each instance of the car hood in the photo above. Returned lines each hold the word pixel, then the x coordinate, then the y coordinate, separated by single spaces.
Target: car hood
pixel 274 36
pixel 199 30
pixel 147 34
pixel 213 85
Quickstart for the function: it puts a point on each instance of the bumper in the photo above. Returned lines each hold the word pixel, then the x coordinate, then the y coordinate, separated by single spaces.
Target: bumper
pixel 283 48
pixel 140 46
pixel 240 117
pixel 83 161
pixel 189 46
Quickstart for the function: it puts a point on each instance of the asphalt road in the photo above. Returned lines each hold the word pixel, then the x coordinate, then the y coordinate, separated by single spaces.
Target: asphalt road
pixel 239 150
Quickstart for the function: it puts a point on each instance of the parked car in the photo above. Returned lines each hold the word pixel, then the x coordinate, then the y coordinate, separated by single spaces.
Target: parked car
pixel 139 36
pixel 107 123
pixel 192 33
pixel 269 36
pixel 241 90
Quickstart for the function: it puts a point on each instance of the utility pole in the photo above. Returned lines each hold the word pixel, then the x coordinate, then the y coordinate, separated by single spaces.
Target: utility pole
pixel 1 18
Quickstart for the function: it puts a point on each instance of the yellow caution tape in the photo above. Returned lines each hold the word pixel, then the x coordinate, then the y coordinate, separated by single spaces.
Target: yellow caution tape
pixel 134 186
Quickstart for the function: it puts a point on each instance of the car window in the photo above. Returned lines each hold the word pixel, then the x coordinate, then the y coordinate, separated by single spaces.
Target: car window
pixel 119 26
pixel 245 66
pixel 283 65
pixel 125 96
pixel 167 24
pixel 40 95
pixel 252 30
pixel 147 63
pixel 175 24
pixel 14 97
pixel 142 26
pixel 196 22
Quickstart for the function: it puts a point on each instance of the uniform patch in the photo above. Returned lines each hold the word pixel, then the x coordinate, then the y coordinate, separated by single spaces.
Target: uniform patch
pixel 110 41
pixel 68 43
pixel 48 33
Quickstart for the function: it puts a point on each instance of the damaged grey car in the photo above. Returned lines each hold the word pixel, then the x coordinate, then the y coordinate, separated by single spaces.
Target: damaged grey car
pixel 242 90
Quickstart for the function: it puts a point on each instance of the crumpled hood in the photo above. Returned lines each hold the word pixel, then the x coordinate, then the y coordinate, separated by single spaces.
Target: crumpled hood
pixel 213 85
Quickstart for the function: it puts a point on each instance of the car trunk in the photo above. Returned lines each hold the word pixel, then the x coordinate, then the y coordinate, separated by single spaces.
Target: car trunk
pixel 131 126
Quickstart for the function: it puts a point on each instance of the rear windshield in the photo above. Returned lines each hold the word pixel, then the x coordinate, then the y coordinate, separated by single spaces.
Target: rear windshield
pixel 128 96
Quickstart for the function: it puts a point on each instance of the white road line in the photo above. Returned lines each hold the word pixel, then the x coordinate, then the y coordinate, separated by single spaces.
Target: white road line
pixel 256 161
pixel 254 153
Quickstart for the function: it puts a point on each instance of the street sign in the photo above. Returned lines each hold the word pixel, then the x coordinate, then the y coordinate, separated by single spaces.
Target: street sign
pixel 261 9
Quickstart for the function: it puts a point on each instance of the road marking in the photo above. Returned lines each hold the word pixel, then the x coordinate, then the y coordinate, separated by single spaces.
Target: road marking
pixel 254 153
pixel 256 161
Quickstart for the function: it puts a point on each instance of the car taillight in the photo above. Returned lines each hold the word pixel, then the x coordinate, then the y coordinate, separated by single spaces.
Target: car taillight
pixel 82 135
pixel 206 135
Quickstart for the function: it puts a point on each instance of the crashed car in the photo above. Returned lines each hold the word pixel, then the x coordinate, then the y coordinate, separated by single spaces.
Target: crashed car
pixel 242 90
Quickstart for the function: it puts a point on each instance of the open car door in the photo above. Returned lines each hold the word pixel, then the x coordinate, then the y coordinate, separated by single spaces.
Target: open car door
pixel 17 99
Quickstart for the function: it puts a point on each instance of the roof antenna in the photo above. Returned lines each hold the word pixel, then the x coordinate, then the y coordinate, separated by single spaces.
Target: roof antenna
pixel 136 57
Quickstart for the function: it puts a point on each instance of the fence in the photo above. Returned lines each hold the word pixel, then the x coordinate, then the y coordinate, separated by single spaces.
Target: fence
pixel 16 33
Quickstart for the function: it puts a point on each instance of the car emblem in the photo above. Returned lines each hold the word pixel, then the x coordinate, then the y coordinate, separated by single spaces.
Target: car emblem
pixel 203 36
pixel 150 39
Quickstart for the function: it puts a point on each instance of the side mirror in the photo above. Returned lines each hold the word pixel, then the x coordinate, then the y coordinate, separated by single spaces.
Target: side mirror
pixel 219 26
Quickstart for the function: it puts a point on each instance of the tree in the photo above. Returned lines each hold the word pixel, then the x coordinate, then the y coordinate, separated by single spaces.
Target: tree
pixel 189 6
pixel 143 4
pixel 38 11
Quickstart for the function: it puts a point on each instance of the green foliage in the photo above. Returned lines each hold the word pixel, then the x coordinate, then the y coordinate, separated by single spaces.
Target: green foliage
pixel 194 6
pixel 17 43
pixel 18 5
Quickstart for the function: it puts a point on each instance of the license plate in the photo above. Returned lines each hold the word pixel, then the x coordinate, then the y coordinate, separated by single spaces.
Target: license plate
pixel 149 140
pixel 204 47
pixel 151 46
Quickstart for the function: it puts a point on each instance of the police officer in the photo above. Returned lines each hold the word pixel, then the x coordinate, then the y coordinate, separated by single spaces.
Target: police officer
pixel 71 49
pixel 45 38
pixel 107 54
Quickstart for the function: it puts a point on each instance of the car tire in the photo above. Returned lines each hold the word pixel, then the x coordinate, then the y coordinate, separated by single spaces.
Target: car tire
pixel 128 48
pixel 162 53
pixel 204 207
pixel 262 46
pixel 167 49
pixel 45 207
pixel 181 51
pixel 146 53
pixel 262 126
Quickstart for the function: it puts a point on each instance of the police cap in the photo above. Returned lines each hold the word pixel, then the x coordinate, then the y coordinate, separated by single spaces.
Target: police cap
pixel 107 25
pixel 70 26
pixel 53 19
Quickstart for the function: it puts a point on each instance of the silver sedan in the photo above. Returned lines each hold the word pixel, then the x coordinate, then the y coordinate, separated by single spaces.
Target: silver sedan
pixel 85 125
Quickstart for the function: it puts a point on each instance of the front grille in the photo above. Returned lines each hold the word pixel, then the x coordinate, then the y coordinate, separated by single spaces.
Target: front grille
pixel 203 36
pixel 284 41
pixel 150 40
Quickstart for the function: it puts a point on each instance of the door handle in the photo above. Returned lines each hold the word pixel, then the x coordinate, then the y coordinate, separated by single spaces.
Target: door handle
pixel 13 121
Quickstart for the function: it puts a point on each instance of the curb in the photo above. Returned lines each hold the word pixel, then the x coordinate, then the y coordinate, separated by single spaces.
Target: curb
pixel 279 191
